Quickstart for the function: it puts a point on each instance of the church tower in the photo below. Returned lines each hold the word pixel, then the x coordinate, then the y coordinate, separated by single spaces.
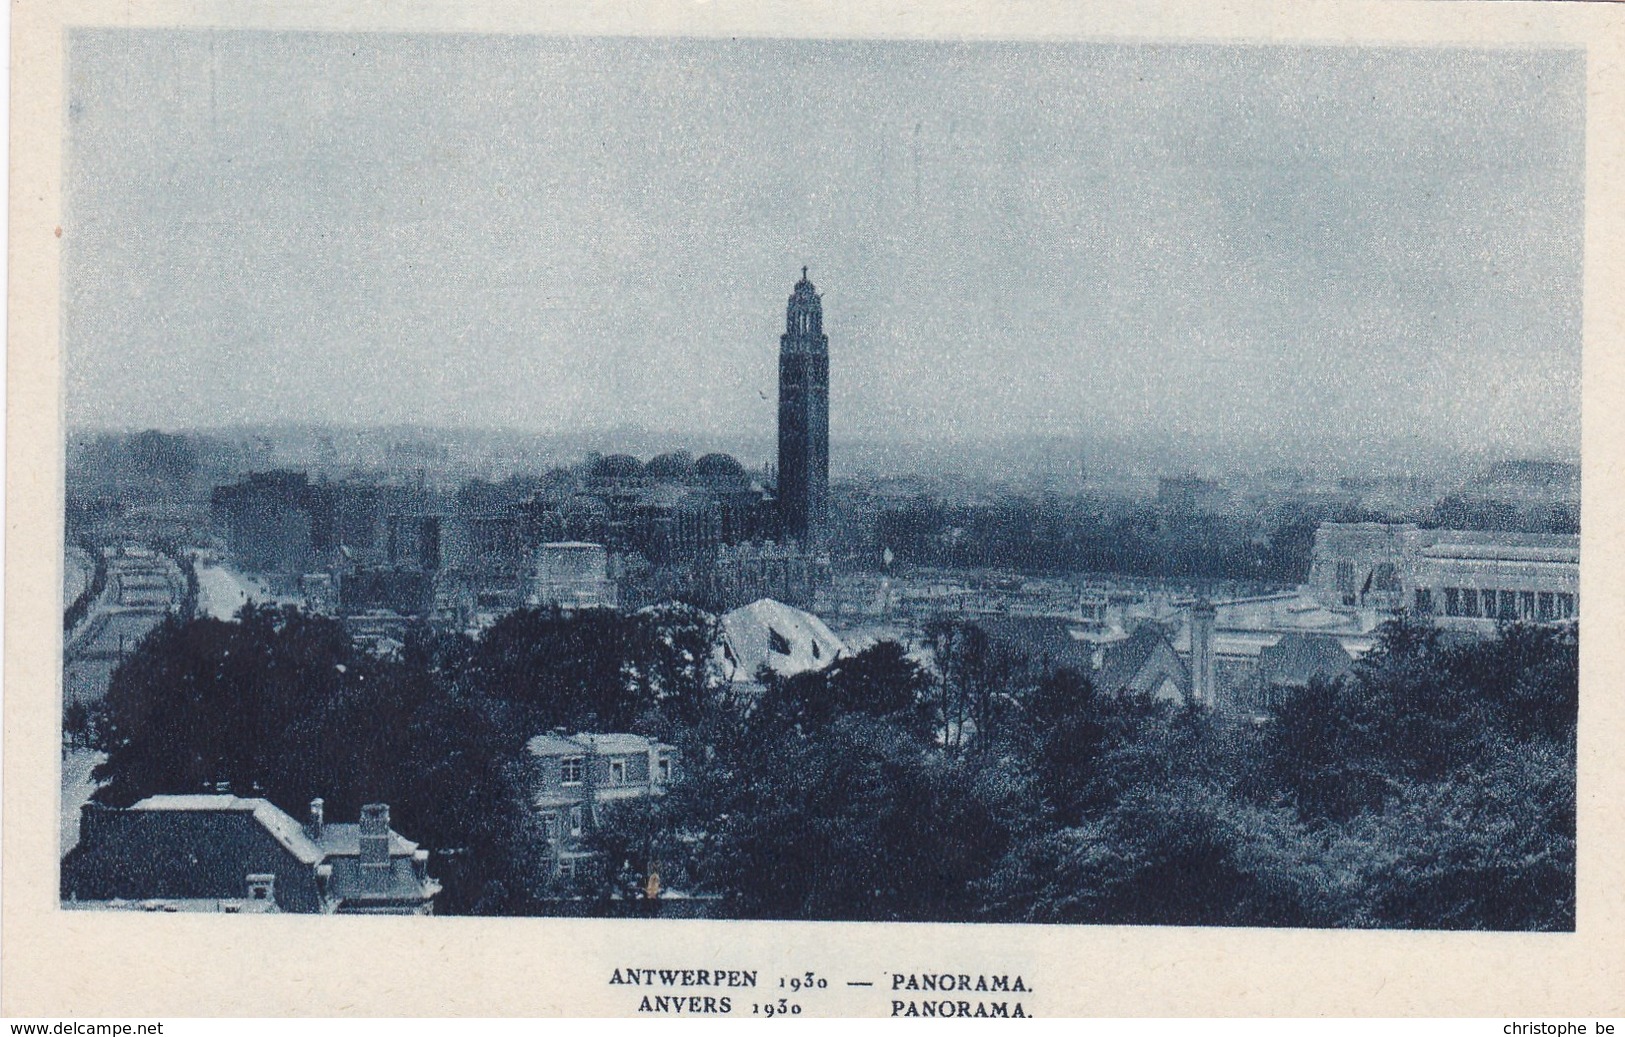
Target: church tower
pixel 804 418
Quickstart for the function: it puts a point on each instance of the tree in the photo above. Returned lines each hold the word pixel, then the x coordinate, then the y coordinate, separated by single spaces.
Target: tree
pixel 974 687
pixel 1180 854
pixel 1324 749
pixel 632 840
pixel 882 681
pixel 1528 678
pixel 563 669
pixel 1492 848
pixel 674 659
pixel 280 704
pixel 1066 734
pixel 78 724
pixel 852 822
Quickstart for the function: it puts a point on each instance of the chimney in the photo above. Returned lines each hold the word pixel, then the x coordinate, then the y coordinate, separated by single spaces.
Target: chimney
pixel 420 865
pixel 1202 678
pixel 374 831
pixel 316 813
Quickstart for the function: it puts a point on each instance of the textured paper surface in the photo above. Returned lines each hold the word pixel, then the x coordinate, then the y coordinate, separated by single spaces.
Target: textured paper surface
pixel 85 964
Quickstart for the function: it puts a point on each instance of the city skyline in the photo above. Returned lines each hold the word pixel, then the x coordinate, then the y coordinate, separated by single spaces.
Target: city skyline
pixel 1293 246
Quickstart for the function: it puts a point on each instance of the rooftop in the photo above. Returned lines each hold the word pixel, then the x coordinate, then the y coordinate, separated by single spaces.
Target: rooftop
pixel 555 744
pixel 1298 659
pixel 337 839
pixel 784 639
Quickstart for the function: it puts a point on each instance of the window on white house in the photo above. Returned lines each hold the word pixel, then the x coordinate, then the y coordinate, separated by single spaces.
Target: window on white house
pixel 617 772
pixel 663 768
pixel 575 820
pixel 571 770
pixel 550 827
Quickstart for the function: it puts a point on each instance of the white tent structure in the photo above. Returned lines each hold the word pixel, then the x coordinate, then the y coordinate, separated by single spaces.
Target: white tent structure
pixel 771 634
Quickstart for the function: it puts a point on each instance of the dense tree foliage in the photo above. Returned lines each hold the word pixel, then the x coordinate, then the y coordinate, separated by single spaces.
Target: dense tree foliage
pixel 280 703
pixel 1059 533
pixel 1069 534
pixel 1432 787
pixel 846 821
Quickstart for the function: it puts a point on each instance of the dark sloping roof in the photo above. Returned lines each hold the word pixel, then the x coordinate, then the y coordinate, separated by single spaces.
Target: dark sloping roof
pixel 205 846
pixel 357 883
pixel 150 852
pixel 1297 659
pixel 1044 640
pixel 1125 660
pixel 284 829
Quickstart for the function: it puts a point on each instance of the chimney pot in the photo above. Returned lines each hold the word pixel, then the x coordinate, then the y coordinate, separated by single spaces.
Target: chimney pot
pixel 317 815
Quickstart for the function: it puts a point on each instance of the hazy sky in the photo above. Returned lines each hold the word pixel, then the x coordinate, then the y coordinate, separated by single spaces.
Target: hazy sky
pixel 1259 243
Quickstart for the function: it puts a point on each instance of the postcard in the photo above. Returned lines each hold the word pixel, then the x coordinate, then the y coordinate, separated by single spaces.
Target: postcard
pixel 758 510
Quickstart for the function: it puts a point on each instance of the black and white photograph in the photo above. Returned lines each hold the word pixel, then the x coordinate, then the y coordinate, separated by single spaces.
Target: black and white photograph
pixel 670 479
pixel 815 480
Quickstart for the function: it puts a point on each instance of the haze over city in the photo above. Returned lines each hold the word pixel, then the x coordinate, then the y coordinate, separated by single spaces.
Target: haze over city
pixel 1286 250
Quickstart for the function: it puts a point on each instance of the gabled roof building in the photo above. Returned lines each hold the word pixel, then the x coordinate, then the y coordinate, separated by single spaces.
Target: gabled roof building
pixel 233 854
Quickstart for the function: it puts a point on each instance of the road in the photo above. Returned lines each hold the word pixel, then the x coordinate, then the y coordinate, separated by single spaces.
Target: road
pixel 77 572
pixel 76 790
pixel 142 587
pixel 222 591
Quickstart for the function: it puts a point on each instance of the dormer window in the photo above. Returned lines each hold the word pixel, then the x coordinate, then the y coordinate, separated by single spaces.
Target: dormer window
pixel 778 642
pixel 617 772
